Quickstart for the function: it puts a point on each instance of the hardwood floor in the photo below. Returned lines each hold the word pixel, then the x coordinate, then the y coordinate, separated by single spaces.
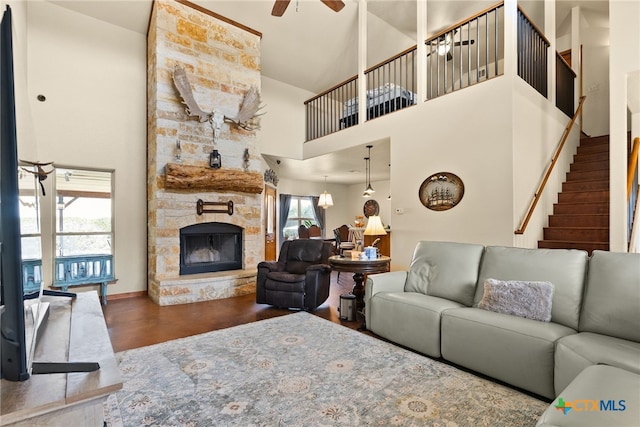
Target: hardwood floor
pixel 138 321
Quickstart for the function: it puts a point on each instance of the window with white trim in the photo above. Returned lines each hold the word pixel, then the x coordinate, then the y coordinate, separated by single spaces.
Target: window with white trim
pixel 84 212
pixel 301 212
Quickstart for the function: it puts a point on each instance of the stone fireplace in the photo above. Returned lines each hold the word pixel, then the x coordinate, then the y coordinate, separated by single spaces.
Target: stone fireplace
pixel 194 254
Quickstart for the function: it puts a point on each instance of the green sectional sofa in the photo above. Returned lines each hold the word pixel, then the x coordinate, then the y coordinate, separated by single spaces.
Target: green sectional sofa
pixel 532 318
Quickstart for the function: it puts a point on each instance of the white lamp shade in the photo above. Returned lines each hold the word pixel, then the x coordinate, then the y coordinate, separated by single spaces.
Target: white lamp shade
pixel 325 200
pixel 374 227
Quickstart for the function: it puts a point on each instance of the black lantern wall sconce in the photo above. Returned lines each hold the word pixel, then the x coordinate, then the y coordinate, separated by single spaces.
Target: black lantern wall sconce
pixel 215 160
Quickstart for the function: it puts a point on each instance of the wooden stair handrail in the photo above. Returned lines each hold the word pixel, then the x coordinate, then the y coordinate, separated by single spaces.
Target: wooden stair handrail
pixel 633 162
pixel 554 159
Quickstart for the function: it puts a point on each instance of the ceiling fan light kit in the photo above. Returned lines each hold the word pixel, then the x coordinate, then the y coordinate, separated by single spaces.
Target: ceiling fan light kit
pixel 443 44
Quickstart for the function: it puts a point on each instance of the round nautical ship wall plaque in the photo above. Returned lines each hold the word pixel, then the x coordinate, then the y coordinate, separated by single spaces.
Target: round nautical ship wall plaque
pixel 441 191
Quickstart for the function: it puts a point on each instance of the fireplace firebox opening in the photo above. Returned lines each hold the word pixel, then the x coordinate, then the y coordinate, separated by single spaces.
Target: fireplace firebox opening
pixel 209 247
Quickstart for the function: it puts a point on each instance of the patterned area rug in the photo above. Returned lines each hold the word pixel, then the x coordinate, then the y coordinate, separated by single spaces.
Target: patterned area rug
pixel 301 370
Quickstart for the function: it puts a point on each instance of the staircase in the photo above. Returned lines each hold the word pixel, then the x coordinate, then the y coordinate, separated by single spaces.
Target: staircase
pixel 580 219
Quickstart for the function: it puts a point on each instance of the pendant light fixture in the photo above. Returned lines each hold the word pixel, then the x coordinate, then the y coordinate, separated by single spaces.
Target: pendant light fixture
pixel 369 190
pixel 325 199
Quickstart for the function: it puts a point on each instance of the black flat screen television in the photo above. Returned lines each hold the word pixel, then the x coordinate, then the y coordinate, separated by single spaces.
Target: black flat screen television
pixel 13 349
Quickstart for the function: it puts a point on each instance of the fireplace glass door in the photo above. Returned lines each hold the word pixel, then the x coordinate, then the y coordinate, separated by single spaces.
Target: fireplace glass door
pixel 210 247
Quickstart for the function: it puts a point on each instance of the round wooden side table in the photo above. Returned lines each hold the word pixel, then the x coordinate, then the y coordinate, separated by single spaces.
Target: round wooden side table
pixel 359 267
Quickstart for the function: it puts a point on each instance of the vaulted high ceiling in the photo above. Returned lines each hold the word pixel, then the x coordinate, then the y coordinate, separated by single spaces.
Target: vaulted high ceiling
pixel 296 48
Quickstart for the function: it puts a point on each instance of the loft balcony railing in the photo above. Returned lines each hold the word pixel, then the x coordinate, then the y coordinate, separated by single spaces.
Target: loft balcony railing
pixel 565 92
pixel 391 86
pixel 532 55
pixel 325 111
pixel 467 53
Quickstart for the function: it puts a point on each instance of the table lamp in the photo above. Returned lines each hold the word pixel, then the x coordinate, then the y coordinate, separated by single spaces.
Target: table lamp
pixel 374 228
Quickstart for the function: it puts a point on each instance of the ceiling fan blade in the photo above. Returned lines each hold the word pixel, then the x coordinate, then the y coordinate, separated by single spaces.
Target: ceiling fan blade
pixel 464 42
pixel 279 7
pixel 449 56
pixel 335 5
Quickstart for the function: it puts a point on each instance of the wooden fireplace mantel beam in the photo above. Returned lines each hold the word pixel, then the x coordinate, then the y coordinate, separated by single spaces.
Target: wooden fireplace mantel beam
pixel 184 177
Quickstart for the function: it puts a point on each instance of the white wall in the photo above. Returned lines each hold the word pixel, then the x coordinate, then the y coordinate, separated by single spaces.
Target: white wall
pixel 93 75
pixel 383 41
pixel 283 125
pixel 595 83
pixel 593 34
pixel 474 143
pixel 624 60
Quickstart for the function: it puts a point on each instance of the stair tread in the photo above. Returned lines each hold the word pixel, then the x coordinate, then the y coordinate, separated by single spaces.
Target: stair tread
pixel 583 227
pixel 586 191
pixel 590 170
pixel 579 214
pixel 579 242
pixel 579 203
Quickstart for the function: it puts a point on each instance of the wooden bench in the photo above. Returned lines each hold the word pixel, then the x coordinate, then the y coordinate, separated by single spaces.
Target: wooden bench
pixel 76 331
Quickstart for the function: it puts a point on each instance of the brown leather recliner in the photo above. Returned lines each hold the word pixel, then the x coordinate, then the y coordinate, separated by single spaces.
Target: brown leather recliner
pixel 299 279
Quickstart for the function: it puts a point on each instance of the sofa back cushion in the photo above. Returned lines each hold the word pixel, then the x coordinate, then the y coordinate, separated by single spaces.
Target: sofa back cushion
pixel 612 296
pixel 302 253
pixel 446 270
pixel 564 268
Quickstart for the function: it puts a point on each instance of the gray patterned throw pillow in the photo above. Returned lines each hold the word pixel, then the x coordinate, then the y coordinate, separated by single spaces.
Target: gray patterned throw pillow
pixel 531 300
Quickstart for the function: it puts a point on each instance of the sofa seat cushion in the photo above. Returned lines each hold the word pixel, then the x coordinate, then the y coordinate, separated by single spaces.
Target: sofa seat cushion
pixel 410 319
pixel 616 394
pixel 512 349
pixel 283 281
pixel 576 352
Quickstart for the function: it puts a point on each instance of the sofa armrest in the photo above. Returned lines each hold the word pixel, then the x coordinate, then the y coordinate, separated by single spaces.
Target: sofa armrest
pixel 385 282
pixel 323 268
pixel 271 265
pixel 264 268
pixel 392 281
pixel 317 285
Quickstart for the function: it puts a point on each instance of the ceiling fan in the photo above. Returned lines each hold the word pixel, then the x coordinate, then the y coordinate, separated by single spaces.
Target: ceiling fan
pixel 281 5
pixel 444 44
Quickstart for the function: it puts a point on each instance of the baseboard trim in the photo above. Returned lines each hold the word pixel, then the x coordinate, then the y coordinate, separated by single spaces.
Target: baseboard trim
pixel 126 295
